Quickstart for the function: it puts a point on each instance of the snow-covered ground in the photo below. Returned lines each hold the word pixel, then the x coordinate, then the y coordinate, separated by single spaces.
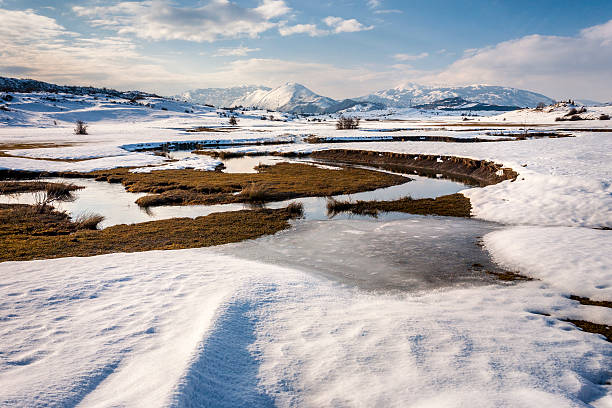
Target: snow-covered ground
pixel 206 327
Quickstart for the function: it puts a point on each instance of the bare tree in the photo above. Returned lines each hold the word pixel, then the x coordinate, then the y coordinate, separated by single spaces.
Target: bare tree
pixel 81 128
pixel 347 123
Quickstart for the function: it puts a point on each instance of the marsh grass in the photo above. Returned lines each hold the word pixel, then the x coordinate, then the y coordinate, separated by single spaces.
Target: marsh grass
pixel 28 234
pixel 88 221
pixel 453 205
pixel 282 181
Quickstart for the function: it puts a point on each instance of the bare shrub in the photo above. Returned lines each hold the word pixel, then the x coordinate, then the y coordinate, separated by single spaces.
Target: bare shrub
pixel 604 116
pixel 255 193
pixel 81 128
pixel 88 221
pixel 295 209
pixel 233 121
pixel 344 123
pixel 52 193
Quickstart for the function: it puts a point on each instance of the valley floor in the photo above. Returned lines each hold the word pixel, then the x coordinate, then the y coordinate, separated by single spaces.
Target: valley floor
pixel 217 327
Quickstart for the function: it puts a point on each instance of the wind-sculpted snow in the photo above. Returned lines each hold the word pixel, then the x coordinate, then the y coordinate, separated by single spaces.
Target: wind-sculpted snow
pixel 576 260
pixel 195 328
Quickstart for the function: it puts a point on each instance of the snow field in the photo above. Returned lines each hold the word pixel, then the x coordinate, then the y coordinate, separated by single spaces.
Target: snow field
pixel 158 328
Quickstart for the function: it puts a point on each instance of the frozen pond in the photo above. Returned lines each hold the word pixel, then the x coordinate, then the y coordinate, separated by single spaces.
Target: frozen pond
pixel 408 253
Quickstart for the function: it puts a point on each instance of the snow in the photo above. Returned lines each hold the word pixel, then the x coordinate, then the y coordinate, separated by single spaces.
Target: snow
pixel 146 329
pixel 196 163
pixel 576 260
pixel 215 327
pixel 103 163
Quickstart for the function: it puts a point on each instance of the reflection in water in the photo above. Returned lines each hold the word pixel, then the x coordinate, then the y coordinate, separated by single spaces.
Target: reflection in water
pixel 118 206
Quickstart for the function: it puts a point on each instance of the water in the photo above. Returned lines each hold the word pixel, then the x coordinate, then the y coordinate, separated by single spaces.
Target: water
pixel 397 251
pixel 118 205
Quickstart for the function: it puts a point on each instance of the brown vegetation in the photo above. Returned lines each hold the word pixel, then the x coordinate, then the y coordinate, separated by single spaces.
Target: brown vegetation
pixel 282 181
pixel 469 171
pixel 591 327
pixel 28 234
pixel 344 123
pixel 453 205
pixel 16 187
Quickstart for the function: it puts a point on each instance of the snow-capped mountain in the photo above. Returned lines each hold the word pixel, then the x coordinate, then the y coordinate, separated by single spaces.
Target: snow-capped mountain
pixel 413 94
pixel 290 97
pixel 219 97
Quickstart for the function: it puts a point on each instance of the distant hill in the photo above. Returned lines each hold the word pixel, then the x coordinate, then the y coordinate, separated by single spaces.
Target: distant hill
pixel 413 94
pixel 290 97
pixel 460 104
pixel 31 85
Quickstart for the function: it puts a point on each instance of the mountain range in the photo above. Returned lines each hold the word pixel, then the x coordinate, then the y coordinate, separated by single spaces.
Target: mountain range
pixel 296 98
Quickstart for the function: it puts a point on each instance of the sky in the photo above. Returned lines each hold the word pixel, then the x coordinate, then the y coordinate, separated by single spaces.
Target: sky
pixel 341 49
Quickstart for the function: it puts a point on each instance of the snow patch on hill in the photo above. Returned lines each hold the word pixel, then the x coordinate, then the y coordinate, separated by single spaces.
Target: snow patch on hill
pixel 290 97
pixel 413 94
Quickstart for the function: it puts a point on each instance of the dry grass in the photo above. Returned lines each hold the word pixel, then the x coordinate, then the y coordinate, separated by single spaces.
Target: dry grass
pixel 256 193
pixel 27 234
pixel 591 327
pixel 282 181
pixel 295 209
pixel 469 171
pixel 453 205
pixel 589 302
pixel 17 187
pixel 88 221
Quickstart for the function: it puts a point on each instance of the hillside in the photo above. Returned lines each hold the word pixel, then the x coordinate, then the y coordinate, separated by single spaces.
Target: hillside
pixel 290 97
pixel 413 94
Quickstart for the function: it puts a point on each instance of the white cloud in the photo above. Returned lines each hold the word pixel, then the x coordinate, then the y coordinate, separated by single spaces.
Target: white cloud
pixel 374 3
pixel 39 47
pixel 340 25
pixel 557 66
pixel 235 52
pixel 410 57
pixel 310 29
pixel 160 20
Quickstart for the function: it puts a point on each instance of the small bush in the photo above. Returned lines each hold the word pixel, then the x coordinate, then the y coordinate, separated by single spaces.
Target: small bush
pixel 604 116
pixel 81 128
pixel 233 121
pixel 7 97
pixel 295 209
pixel 88 221
pixel 4 108
pixel 344 123
pixel 164 108
pixel 255 193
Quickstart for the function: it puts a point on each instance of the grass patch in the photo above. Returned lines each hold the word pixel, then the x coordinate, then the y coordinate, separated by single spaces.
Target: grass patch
pixel 282 181
pixel 589 302
pixel 591 327
pixel 88 221
pixel 17 187
pixel 453 205
pixel 27 234
pixel 469 171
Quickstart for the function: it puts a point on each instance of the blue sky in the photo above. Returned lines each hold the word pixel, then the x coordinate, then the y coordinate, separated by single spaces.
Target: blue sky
pixel 338 48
